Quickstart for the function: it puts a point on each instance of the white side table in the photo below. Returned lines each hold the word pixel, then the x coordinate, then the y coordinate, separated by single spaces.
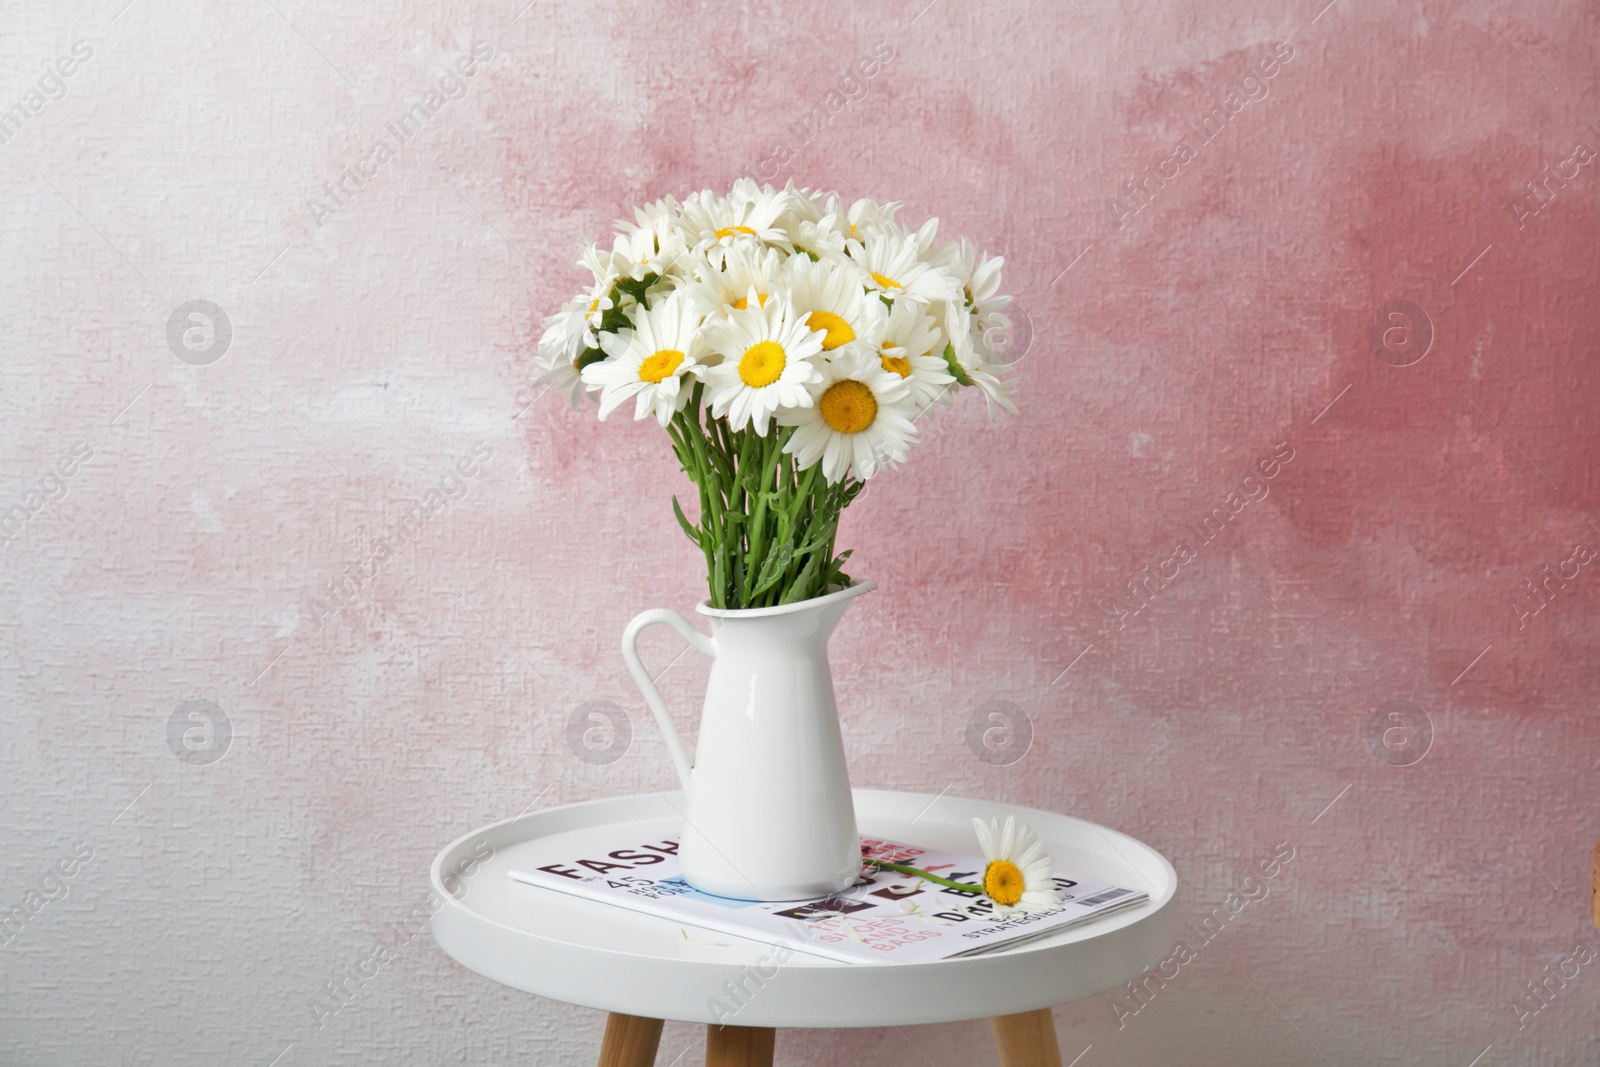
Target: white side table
pixel 644 970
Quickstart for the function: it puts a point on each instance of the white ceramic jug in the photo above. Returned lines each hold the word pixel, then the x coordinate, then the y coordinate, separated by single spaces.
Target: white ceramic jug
pixel 769 813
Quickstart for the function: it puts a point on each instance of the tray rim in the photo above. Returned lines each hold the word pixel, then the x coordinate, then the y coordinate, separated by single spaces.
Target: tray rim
pixel 1116 948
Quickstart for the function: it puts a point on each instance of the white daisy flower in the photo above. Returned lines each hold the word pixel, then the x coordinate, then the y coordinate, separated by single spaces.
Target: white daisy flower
pixel 944 256
pixel 869 216
pixel 766 364
pixel 563 333
pixel 822 239
pixel 801 205
pixel 820 203
pixel 1017 874
pixel 968 364
pixel 832 300
pixel 649 361
pixel 979 278
pixel 758 197
pixel 745 268
pixel 896 269
pixel 572 330
pixel 987 331
pixel 927 247
pixel 643 252
pixel 598 296
pixel 749 210
pixel 956 319
pixel 996 390
pixel 566 335
pixel 860 422
pixel 659 216
pixel 820 223
pixel 913 347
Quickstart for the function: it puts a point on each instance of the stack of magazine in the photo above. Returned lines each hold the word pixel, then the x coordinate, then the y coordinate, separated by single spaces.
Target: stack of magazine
pixel 884 916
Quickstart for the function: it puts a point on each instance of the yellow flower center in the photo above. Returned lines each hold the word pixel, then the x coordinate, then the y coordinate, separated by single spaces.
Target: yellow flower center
pixel 744 301
pixel 884 281
pixel 762 364
pixel 594 305
pixel 848 406
pixel 835 331
pixel 656 368
pixel 901 365
pixel 1002 882
pixel 729 231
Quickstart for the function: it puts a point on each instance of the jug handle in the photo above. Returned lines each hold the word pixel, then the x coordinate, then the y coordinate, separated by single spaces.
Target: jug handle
pixel 641 677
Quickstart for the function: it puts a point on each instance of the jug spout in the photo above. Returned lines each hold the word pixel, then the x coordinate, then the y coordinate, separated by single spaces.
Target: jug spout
pixel 812 619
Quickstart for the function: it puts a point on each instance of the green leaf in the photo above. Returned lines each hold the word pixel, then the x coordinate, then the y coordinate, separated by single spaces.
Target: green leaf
pixel 683 520
pixel 750 480
pixel 636 288
pixel 956 370
pixel 836 574
pixel 773 569
pixel 615 317
pixel 588 356
pixel 800 588
pixel 822 538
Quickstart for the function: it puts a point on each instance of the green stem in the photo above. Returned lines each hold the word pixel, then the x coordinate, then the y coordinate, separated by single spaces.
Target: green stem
pixel 902 868
pixel 755 503
pixel 770 450
pixel 701 470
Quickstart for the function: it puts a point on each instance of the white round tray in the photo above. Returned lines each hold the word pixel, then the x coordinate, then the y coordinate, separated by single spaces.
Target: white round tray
pixel 601 956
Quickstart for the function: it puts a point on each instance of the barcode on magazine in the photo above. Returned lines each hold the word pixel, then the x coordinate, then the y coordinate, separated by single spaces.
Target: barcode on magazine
pixel 1109 894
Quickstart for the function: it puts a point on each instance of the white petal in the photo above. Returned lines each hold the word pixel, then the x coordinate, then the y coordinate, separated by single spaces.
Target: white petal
pixel 985 832
pixel 613 397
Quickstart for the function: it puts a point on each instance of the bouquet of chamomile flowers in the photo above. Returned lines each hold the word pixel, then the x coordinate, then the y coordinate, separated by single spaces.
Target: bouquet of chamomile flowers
pixel 788 344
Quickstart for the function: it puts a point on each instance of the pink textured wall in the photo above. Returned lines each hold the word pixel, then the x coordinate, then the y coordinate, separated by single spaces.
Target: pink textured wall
pixel 1191 321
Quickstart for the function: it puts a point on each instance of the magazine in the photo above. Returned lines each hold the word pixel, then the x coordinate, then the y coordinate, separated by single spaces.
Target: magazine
pixel 884 916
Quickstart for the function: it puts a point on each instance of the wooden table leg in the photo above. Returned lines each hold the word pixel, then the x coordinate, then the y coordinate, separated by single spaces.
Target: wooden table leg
pixel 740 1046
pixel 1594 901
pixel 1027 1040
pixel 630 1041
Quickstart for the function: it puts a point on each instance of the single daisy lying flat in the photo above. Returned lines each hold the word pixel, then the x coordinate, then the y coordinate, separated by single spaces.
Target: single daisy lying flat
pixel 1017 872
